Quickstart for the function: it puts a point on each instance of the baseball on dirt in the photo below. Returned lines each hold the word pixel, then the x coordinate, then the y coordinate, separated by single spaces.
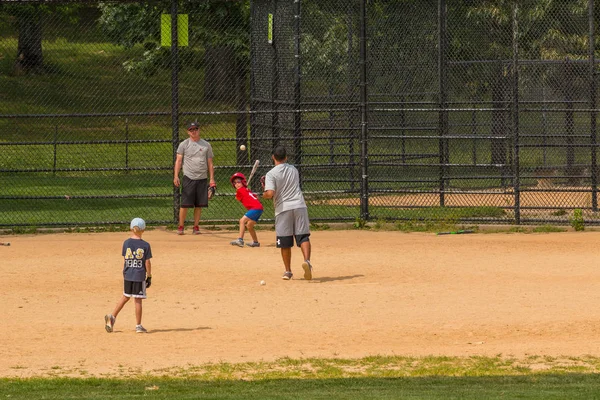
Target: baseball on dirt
pixel 263 283
pixel 242 147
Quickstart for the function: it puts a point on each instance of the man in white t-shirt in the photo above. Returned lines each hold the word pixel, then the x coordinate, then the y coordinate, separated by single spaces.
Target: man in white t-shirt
pixel 196 157
pixel 282 184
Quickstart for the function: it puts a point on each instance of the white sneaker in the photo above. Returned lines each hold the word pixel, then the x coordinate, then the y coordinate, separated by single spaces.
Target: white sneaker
pixel 109 323
pixel 237 242
pixel 140 329
pixel 307 267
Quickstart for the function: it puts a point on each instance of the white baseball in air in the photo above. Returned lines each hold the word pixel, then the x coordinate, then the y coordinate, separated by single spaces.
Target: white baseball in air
pixel 263 283
pixel 242 147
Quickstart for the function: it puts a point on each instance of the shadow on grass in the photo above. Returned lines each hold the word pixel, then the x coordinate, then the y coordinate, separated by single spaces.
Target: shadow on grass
pixel 533 386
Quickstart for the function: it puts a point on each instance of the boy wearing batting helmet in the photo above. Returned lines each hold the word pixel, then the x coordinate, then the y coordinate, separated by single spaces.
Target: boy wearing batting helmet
pixel 253 205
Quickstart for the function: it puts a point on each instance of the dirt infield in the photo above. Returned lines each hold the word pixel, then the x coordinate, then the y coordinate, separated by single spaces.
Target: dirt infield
pixel 374 293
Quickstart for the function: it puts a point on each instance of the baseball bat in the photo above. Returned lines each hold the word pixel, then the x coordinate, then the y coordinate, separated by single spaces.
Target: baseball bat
pixel 254 168
pixel 456 232
pixel 4 243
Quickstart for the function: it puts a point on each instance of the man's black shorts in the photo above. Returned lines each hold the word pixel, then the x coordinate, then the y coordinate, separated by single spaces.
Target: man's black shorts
pixel 194 193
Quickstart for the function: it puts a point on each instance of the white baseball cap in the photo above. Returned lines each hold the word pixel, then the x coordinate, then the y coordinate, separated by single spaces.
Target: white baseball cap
pixel 139 223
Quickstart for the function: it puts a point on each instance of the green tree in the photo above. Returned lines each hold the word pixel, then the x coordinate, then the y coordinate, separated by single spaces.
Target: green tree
pixel 547 30
pixel 219 30
pixel 28 19
pixel 131 23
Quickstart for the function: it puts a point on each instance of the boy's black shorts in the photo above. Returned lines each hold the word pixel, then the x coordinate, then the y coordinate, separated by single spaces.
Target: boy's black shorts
pixel 134 289
pixel 194 193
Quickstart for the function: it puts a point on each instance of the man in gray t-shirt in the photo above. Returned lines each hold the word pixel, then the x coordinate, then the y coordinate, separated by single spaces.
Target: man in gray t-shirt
pixel 282 184
pixel 195 155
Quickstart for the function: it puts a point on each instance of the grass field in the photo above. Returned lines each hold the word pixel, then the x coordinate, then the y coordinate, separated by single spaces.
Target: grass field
pixel 375 377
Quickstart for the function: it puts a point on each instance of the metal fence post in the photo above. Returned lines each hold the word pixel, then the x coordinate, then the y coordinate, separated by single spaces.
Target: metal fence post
pixel 275 132
pixel 127 144
pixel 592 80
pixel 515 114
pixel 569 95
pixel 297 92
pixel 55 149
pixel 364 102
pixel 351 94
pixel 443 83
pixel 254 143
pixel 174 100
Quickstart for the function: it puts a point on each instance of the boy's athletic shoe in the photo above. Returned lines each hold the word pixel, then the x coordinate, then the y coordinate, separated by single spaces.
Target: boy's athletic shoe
pixel 140 329
pixel 196 230
pixel 287 275
pixel 253 244
pixel 109 323
pixel 307 267
pixel 237 242
pixel 180 230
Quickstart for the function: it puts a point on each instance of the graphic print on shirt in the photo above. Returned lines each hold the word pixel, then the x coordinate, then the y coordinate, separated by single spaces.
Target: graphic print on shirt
pixel 134 259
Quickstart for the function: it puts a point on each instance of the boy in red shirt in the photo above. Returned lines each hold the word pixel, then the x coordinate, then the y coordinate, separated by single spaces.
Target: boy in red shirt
pixel 252 204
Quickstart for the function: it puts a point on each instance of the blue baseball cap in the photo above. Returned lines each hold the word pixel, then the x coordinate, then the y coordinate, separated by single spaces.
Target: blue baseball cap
pixel 138 223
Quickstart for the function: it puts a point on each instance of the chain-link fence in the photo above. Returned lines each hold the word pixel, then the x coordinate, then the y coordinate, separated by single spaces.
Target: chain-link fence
pixel 480 111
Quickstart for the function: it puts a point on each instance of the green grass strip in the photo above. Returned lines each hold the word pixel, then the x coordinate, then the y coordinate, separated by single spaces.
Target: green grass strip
pixel 367 378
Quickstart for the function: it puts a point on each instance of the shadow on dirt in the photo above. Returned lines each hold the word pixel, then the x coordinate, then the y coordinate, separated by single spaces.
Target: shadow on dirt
pixel 179 329
pixel 334 278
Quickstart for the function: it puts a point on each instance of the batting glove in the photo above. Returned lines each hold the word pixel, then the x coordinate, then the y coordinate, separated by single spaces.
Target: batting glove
pixel 148 281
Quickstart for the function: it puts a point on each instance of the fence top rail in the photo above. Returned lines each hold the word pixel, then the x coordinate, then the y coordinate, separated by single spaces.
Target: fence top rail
pixel 145 114
pixel 479 109
pixel 62 1
pixel 522 61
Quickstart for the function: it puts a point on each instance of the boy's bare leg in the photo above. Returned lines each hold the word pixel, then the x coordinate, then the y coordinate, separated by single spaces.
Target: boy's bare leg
pixel 251 231
pixel 242 227
pixel 138 311
pixel 119 306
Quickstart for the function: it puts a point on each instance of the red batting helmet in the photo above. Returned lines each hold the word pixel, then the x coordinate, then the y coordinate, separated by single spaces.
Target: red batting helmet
pixel 240 176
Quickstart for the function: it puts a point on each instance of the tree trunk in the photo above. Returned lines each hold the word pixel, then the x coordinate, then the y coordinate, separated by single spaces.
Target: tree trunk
pixel 29 50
